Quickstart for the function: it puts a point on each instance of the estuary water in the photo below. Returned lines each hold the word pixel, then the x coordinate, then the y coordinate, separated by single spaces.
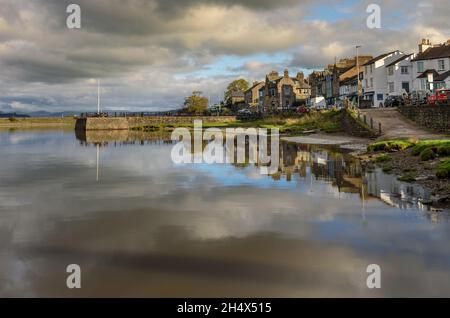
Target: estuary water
pixel 139 225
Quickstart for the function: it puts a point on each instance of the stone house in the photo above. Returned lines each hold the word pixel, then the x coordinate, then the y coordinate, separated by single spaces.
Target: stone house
pixel 326 83
pixel 348 81
pixel 281 93
pixel 237 97
pixel 317 82
pixel 251 95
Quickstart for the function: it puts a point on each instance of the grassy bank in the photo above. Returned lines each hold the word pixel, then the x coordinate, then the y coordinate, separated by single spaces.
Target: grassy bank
pixel 326 121
pixel 37 122
pixel 426 162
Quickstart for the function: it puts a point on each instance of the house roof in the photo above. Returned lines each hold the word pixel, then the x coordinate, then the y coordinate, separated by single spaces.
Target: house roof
pixel 379 57
pixel 442 77
pixel 404 57
pixel 254 85
pixel 237 94
pixel 349 73
pixel 303 84
pixel 434 53
pixel 348 80
pixel 425 74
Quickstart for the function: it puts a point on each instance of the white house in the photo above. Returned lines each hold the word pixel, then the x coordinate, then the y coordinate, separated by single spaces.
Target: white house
pixel 375 84
pixel 399 75
pixel 431 67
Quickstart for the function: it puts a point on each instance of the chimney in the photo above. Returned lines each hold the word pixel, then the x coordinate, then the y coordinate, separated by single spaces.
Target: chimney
pixel 300 76
pixel 425 45
pixel 273 76
pixel 286 73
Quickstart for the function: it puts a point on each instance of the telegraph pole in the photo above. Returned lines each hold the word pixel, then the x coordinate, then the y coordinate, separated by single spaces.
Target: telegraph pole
pixel 357 70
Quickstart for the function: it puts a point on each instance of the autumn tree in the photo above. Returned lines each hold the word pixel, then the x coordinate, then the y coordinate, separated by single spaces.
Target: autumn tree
pixel 235 86
pixel 196 103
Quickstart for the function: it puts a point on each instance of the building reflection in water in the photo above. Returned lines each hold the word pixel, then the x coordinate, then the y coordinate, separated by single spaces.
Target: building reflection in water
pixel 321 163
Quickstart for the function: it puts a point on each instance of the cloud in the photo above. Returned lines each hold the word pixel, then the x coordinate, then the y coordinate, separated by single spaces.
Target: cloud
pixel 157 50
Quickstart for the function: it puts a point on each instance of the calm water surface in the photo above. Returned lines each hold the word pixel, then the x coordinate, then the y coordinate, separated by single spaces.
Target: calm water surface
pixel 139 225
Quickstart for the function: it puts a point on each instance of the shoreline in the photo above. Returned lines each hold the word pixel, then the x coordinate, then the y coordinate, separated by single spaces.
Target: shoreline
pixel 37 122
pixel 411 169
pixel 424 171
pixel 402 164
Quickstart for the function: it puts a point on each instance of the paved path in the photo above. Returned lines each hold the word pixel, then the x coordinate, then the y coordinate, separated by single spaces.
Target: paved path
pixel 395 125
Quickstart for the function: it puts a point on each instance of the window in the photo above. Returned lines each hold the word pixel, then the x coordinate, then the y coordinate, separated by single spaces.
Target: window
pixel 287 90
pixel 367 83
pixel 391 87
pixel 365 69
pixel 272 92
pixel 405 86
pixel 440 85
pixel 420 67
pixel 404 70
pixel 441 65
pixel 391 70
pixel 371 82
pixel 423 84
pixel 371 68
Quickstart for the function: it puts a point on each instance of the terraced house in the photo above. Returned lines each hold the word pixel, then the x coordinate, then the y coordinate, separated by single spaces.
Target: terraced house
pixel 375 78
pixel 281 93
pixel 431 67
pixel 326 83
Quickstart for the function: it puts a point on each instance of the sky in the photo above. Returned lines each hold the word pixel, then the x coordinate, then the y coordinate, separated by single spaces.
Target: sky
pixel 150 54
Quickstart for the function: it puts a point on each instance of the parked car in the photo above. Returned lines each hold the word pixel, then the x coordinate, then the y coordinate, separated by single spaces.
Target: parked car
pixel 247 114
pixel 393 101
pixel 419 98
pixel 440 97
pixel 302 110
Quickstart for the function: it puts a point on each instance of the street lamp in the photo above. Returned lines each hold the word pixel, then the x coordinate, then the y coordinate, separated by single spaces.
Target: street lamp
pixel 357 70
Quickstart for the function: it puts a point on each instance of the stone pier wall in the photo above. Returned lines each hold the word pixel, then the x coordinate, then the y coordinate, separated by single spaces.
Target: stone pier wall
pixel 354 127
pixel 436 118
pixel 122 123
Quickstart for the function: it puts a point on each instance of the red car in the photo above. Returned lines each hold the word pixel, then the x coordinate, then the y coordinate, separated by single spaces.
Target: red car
pixel 302 110
pixel 440 97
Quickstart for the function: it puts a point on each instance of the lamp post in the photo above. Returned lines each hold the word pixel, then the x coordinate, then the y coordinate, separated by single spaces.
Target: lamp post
pixel 357 70
pixel 98 97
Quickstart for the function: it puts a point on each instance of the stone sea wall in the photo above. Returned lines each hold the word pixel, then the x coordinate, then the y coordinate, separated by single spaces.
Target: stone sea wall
pixel 436 118
pixel 124 123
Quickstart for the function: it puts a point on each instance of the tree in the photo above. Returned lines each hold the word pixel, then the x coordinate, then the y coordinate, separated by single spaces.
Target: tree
pixel 196 103
pixel 235 86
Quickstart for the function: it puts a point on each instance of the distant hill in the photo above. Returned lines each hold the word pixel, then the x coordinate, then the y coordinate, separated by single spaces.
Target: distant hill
pixel 77 113
pixel 50 114
pixel 38 114
pixel 9 115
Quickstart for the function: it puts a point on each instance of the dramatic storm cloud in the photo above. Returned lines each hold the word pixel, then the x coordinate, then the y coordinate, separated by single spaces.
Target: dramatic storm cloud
pixel 149 54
